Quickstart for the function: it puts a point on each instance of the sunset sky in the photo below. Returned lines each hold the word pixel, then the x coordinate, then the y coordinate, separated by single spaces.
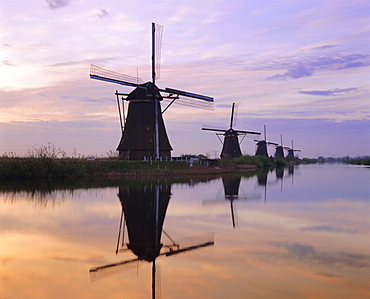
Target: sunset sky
pixel 302 68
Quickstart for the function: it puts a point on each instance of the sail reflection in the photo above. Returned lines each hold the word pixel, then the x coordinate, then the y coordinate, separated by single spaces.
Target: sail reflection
pixel 144 207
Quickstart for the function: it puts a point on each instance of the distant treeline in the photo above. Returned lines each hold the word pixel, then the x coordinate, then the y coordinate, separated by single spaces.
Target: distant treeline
pixel 359 162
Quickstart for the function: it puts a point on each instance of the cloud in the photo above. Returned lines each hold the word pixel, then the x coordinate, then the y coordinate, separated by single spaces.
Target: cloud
pixel 103 13
pixel 324 47
pixel 300 67
pixel 328 228
pixel 330 92
pixel 6 62
pixel 294 73
pixel 55 4
pixel 307 254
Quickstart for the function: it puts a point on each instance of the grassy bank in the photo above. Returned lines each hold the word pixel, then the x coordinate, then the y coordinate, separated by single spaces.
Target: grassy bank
pixel 33 168
pixel 50 167
pixel 360 162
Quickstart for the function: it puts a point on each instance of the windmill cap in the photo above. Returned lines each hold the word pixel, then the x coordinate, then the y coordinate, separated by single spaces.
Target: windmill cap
pixel 144 92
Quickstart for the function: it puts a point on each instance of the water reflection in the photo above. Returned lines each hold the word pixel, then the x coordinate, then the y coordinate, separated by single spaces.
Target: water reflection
pixel 307 238
pixel 144 207
pixel 231 186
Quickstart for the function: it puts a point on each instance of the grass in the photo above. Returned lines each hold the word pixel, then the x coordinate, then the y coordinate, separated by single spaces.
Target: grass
pixel 49 168
pixel 49 162
pixel 360 162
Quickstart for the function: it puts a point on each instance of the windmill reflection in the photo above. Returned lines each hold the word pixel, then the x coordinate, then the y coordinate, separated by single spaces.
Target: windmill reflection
pixel 231 184
pixel 262 180
pixel 280 174
pixel 144 207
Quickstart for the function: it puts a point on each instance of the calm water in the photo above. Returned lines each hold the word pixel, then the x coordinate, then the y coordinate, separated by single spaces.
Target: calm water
pixel 297 233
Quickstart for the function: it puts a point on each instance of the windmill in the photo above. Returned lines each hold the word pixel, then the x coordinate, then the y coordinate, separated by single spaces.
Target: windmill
pixel 263 144
pixel 231 185
pixel 143 131
pixel 291 151
pixel 231 145
pixel 144 207
pixel 279 150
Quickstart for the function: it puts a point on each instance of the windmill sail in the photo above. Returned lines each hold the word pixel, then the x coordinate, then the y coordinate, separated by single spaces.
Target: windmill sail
pixel 111 269
pixel 157 32
pixel 100 73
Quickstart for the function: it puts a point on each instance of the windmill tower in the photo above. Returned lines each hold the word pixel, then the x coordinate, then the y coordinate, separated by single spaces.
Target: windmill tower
pixel 231 145
pixel 291 151
pixel 143 131
pixel 263 144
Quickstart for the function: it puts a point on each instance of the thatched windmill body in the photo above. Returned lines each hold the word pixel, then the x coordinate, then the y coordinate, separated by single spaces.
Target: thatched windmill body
pixel 143 131
pixel 279 149
pixel 263 144
pixel 291 151
pixel 231 144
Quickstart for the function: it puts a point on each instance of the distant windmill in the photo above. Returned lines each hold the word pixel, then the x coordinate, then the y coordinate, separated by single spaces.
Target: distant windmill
pixel 263 144
pixel 144 133
pixel 231 145
pixel 291 151
pixel 279 150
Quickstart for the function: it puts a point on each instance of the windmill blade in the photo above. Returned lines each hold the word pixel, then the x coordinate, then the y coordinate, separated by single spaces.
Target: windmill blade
pixel 157 31
pixel 110 269
pixel 247 132
pixel 190 248
pixel 232 115
pixel 191 102
pixel 189 244
pixel 272 143
pixel 246 197
pixel 189 94
pixel 215 130
pixel 231 198
pixel 99 73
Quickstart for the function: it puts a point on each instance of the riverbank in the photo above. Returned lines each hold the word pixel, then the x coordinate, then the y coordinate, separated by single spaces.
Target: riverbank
pixel 48 168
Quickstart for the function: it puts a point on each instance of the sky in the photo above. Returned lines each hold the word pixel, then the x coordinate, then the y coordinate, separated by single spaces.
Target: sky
pixel 300 68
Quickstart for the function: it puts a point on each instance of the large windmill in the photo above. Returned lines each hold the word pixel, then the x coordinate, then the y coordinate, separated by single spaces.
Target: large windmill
pixel 263 144
pixel 144 207
pixel 231 145
pixel 291 152
pixel 143 131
